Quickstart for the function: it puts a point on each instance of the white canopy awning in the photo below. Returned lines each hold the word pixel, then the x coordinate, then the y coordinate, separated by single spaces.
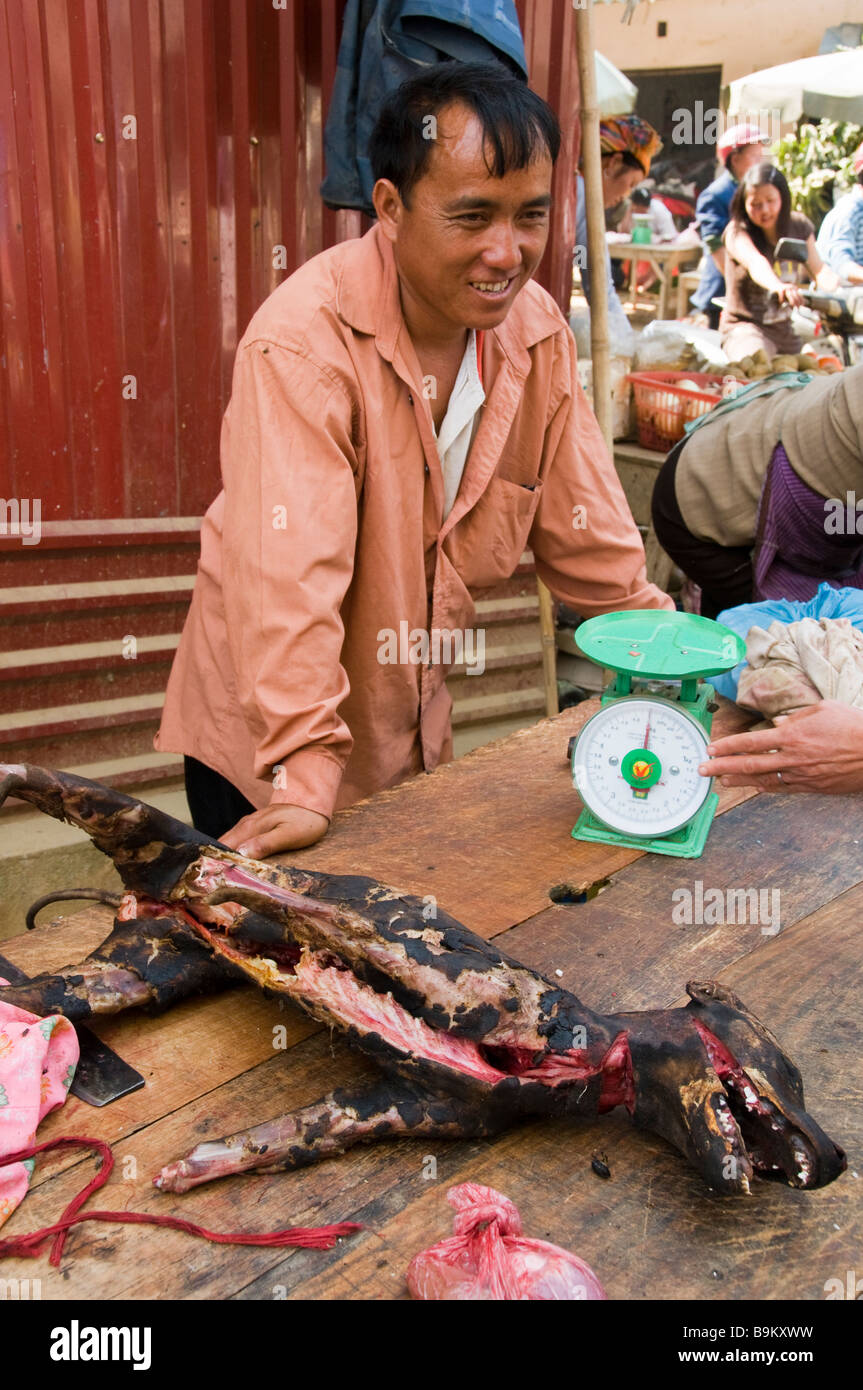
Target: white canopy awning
pixel 829 85
pixel 615 94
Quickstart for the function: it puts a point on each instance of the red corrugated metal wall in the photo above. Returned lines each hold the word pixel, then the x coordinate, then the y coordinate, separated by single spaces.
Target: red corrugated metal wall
pixel 548 27
pixel 160 161
pixel 155 154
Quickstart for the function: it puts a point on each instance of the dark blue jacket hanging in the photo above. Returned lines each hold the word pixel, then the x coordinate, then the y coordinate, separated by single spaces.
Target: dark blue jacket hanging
pixel 385 41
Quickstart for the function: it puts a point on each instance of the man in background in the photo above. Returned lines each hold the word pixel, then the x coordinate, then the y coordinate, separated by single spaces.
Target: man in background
pixel 741 147
pixel 840 240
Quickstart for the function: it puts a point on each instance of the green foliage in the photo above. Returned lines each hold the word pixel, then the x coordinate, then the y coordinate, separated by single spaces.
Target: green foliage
pixel 816 160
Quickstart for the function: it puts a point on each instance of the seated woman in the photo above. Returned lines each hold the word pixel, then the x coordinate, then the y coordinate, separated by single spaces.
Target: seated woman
pixel 661 224
pixel 758 302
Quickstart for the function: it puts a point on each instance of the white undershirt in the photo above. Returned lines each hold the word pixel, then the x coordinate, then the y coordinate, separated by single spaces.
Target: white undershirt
pixel 460 424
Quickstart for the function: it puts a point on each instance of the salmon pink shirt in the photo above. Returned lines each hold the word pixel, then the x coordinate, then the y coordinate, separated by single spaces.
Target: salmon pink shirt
pixel 330 532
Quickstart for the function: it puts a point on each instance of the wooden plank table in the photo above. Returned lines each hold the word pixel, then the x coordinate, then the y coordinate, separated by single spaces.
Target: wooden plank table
pixel 489 837
pixel 663 256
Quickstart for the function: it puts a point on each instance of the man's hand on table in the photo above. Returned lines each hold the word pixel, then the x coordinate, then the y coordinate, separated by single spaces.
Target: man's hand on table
pixel 275 828
pixel 817 749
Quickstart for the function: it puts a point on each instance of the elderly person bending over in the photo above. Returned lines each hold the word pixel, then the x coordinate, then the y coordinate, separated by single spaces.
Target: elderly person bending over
pixel 747 506
pixel 746 503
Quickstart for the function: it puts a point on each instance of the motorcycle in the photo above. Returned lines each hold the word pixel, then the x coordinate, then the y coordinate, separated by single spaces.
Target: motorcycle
pixel 838 314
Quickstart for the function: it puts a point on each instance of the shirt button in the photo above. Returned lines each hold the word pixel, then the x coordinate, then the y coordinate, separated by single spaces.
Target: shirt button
pixel 410 398
pixel 426 470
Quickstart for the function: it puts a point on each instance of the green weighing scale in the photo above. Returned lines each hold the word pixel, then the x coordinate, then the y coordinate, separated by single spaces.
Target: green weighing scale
pixel 635 762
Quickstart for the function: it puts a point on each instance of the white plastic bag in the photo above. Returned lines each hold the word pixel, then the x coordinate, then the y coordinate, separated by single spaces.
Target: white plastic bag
pixel 668 345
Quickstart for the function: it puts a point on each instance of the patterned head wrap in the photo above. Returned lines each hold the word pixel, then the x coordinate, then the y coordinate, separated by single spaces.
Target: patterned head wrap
pixel 630 134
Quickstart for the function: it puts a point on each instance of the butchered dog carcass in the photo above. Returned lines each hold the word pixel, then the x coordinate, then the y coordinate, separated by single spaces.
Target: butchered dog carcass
pixel 468 1040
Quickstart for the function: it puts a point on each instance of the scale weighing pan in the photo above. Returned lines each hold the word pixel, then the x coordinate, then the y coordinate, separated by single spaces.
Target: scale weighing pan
pixel 635 762
pixel 660 646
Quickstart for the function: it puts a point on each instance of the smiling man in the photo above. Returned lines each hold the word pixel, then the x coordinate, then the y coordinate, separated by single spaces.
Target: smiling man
pixel 405 418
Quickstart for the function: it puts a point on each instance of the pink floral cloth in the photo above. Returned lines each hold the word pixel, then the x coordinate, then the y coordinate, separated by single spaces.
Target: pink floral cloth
pixel 38 1057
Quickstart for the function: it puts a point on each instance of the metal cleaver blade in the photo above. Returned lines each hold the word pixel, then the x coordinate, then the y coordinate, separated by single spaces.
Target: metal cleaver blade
pixel 101 1075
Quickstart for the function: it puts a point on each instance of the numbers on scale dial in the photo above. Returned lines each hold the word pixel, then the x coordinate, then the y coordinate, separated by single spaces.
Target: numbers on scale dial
pixel 671 737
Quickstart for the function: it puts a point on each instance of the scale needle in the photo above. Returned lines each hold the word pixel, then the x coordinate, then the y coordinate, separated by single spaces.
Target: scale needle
pixel 646 743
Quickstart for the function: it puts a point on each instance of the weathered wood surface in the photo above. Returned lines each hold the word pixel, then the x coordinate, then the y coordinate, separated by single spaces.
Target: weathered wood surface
pixel 653 1230
pixel 632 951
pixel 488 835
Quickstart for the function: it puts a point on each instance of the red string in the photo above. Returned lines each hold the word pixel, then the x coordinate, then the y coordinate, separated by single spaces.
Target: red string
pixel 30 1245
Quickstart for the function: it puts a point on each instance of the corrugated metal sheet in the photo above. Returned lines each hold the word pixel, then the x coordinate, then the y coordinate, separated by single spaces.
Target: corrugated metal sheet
pixel 155 155
pixel 548 27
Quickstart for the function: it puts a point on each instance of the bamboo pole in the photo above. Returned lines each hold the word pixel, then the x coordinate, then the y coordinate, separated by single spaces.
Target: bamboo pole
pixel 549 648
pixel 599 339
pixel 596 245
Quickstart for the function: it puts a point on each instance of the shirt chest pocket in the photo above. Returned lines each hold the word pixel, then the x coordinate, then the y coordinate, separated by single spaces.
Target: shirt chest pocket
pixel 489 543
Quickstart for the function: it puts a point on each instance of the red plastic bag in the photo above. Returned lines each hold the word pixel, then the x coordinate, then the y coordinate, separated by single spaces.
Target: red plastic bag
pixel 489 1258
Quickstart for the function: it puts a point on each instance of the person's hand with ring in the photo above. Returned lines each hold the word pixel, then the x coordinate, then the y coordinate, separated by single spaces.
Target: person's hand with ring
pixel 816 749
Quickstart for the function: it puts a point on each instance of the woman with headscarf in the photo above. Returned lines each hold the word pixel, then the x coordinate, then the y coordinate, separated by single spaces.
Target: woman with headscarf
pixel 627 145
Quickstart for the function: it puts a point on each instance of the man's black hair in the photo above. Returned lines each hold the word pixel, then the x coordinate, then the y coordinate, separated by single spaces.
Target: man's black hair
pixel 627 159
pixel 517 124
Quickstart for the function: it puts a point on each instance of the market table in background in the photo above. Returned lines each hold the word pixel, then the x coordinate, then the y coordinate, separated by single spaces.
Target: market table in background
pixel 489 837
pixel 664 257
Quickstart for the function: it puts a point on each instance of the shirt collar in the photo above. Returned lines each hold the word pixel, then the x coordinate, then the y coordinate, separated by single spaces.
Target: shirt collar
pixel 466 398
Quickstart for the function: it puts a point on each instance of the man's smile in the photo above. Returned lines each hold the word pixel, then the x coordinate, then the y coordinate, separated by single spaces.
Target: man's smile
pixel 493 289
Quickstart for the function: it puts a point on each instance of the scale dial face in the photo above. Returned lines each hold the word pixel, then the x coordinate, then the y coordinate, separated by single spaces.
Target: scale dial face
pixel 635 766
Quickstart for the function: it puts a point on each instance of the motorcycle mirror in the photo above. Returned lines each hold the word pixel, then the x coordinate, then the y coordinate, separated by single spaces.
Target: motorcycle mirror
pixel 789 248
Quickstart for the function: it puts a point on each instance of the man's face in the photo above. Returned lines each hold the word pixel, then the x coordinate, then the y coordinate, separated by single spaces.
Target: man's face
pixel 468 242
pixel 745 158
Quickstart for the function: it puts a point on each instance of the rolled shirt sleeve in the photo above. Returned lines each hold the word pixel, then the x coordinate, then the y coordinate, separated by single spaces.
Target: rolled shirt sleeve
pixel 290 531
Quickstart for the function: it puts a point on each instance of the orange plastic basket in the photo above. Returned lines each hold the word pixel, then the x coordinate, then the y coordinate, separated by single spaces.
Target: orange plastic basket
pixel 663 410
